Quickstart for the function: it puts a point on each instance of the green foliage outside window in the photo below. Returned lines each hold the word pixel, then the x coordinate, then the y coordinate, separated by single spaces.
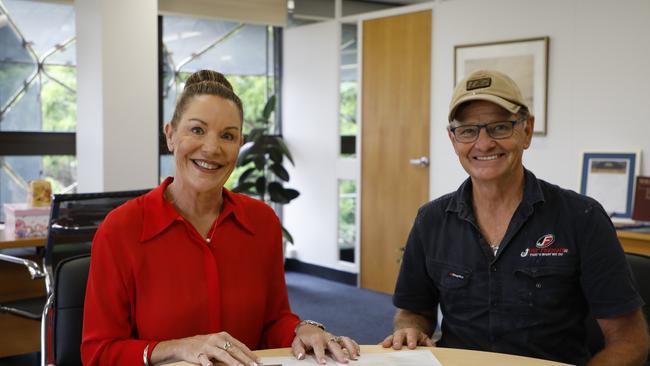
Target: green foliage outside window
pixel 59 107
pixel 60 171
pixel 348 111
pixel 58 103
pixel 347 213
pixel 252 92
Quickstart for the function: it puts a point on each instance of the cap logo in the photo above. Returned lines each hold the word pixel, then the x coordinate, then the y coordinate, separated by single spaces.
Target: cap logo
pixel 478 83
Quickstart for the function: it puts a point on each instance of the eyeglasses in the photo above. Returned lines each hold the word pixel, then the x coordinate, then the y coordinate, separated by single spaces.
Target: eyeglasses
pixel 496 130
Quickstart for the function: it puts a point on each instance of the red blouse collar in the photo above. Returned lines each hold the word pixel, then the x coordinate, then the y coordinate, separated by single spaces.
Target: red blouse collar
pixel 159 213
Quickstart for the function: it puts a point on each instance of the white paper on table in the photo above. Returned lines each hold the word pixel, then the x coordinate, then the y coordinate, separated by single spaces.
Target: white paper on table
pixel 401 358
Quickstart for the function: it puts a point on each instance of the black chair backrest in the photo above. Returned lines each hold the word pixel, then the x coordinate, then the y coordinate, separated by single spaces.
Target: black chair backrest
pixel 640 267
pixel 70 280
pixel 74 218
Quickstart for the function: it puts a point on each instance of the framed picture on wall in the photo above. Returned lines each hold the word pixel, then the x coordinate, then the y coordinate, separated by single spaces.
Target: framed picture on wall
pixel 524 60
pixel 608 177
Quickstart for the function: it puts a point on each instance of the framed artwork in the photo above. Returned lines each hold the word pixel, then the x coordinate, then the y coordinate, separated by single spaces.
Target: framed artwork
pixel 524 60
pixel 609 178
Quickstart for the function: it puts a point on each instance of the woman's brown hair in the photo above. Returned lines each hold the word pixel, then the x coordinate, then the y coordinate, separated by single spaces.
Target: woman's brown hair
pixel 205 82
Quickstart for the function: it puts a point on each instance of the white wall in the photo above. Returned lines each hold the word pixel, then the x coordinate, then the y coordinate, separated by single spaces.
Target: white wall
pixel 310 126
pixel 598 78
pixel 117 94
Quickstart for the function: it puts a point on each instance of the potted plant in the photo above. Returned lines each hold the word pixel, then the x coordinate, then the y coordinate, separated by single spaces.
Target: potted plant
pixel 263 155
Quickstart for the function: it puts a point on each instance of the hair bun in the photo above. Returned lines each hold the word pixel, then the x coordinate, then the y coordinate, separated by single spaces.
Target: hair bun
pixel 208 76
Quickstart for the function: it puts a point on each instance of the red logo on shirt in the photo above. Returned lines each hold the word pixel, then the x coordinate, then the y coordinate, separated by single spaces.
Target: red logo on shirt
pixel 545 241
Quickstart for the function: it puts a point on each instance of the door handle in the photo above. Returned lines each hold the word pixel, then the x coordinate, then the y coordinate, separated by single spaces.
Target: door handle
pixel 422 161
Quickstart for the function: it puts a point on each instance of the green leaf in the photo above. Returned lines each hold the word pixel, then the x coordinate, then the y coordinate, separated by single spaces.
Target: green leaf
pixel 287 236
pixel 291 193
pixel 285 150
pixel 260 186
pixel 272 145
pixel 244 152
pixel 269 107
pixel 260 162
pixel 280 172
pixel 276 192
pixel 256 134
pixel 275 155
pixel 243 188
pixel 245 160
pixel 245 175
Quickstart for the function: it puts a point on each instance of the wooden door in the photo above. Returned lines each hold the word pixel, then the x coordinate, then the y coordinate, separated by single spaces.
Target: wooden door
pixel 395 129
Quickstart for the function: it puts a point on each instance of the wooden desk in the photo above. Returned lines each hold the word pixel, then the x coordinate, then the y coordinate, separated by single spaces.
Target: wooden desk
pixel 11 242
pixel 634 242
pixel 18 335
pixel 447 356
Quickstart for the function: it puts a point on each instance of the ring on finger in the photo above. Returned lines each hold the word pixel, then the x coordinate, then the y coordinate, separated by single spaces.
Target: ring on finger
pixel 335 339
pixel 226 346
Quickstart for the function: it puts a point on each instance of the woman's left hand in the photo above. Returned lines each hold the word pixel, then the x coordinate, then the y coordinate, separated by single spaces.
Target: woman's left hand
pixel 312 338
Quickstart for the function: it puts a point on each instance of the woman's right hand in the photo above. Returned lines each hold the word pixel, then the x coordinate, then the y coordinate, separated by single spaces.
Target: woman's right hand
pixel 204 350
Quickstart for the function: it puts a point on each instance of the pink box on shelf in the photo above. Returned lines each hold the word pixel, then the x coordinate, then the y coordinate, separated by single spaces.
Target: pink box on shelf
pixel 23 221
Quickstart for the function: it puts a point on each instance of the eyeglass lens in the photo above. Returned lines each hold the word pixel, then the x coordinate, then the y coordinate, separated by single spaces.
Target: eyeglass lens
pixel 496 130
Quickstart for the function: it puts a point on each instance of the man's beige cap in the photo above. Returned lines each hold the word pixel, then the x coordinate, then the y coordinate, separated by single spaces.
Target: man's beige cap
pixel 488 85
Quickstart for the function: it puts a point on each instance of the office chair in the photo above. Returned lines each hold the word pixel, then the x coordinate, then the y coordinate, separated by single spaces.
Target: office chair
pixel 640 266
pixel 63 313
pixel 74 218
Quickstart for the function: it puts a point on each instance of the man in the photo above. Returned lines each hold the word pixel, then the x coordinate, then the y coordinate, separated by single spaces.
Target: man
pixel 515 263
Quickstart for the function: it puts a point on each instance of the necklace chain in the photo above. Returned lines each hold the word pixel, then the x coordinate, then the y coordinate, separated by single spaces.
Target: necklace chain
pixel 170 198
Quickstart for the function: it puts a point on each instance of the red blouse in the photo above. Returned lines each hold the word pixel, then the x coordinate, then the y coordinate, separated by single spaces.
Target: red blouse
pixel 154 278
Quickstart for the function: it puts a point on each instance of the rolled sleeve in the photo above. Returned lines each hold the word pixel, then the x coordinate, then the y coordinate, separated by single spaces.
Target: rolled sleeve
pixel 414 290
pixel 606 277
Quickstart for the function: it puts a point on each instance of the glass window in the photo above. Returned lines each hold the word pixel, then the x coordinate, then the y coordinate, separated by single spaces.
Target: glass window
pixel 17 171
pixel 348 90
pixel 32 97
pixel 37 95
pixel 347 219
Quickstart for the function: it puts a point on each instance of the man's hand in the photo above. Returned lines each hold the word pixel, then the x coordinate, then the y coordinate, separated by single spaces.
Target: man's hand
pixel 412 337
pixel 411 329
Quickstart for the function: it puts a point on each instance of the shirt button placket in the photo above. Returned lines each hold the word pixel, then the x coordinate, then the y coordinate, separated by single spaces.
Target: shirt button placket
pixel 494 287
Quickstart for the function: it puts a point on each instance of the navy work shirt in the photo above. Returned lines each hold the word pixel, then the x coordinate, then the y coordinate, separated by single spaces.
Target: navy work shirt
pixel 559 259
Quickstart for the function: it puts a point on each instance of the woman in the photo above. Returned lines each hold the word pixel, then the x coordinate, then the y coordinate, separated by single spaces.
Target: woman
pixel 190 271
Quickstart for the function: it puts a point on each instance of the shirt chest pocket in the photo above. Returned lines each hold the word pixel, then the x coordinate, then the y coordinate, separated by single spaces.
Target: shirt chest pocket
pixel 452 281
pixel 547 286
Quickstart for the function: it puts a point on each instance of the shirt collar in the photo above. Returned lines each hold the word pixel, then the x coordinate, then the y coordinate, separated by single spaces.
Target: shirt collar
pixel 461 200
pixel 160 214
pixel 233 203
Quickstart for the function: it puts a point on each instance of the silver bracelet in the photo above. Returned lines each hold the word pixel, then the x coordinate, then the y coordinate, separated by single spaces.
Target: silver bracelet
pixel 309 322
pixel 145 359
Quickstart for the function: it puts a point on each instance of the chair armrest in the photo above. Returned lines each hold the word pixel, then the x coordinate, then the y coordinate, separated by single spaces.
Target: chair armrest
pixel 34 270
